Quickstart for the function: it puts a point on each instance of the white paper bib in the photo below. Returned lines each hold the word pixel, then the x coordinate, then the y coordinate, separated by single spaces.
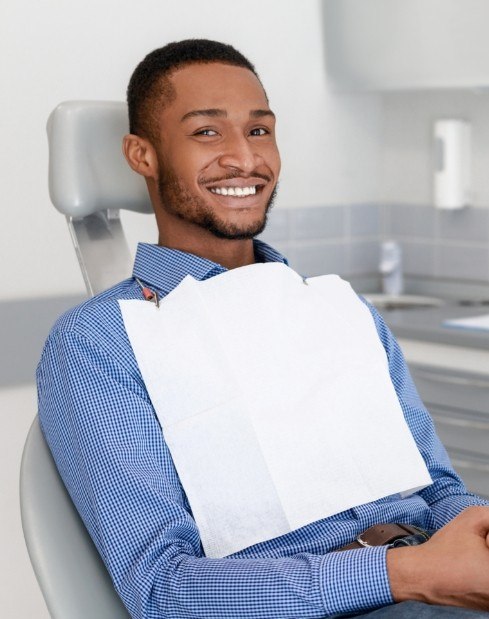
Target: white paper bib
pixel 275 401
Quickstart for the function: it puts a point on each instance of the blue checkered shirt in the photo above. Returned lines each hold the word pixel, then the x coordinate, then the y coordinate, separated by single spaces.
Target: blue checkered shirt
pixel 109 448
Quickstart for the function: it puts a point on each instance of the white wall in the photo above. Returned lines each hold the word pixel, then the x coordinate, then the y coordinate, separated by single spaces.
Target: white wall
pixel 56 50
pixel 406 170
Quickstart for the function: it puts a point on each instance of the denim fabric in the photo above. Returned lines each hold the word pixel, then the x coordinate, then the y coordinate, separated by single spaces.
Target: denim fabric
pixel 419 610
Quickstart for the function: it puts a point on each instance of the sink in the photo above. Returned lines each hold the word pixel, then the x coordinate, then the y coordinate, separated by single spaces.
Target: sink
pixel 402 301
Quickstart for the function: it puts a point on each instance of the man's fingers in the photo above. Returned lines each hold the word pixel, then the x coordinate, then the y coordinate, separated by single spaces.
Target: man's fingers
pixel 478 517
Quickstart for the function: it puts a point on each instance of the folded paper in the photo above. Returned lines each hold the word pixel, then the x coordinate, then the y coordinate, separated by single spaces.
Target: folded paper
pixel 275 400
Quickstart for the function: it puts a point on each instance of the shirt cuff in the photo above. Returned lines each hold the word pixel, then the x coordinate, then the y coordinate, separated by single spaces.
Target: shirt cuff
pixel 355 580
pixel 449 507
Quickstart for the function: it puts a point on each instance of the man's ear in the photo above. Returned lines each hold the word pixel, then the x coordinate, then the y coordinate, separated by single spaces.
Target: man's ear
pixel 140 155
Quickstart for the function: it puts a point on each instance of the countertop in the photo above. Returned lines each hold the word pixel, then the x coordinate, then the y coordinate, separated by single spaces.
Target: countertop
pixel 426 324
pixel 448 359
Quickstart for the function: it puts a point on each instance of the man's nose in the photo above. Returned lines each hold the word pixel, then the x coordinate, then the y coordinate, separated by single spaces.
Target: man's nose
pixel 240 153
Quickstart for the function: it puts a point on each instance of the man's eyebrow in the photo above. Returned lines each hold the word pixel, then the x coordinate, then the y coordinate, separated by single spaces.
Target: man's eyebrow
pixel 261 113
pixel 216 112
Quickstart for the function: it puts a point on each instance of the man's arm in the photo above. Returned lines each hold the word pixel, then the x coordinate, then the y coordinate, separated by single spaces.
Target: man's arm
pixel 111 453
pixel 452 568
pixel 447 496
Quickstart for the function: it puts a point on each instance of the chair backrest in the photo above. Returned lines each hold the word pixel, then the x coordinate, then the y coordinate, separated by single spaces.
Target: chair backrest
pixel 72 577
pixel 89 181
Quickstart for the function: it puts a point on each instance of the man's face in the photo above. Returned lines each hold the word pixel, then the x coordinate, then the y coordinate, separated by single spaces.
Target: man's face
pixel 217 155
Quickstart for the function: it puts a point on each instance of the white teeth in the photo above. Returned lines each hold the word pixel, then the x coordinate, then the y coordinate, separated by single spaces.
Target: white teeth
pixel 234 191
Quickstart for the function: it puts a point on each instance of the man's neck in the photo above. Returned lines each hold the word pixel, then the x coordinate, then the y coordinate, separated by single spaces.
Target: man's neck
pixel 231 254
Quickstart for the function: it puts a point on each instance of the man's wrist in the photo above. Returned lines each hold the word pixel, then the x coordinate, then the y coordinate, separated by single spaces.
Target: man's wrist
pixel 406 574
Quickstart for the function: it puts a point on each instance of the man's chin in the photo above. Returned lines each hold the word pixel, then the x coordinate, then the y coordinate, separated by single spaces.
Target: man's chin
pixel 233 232
pixel 242 231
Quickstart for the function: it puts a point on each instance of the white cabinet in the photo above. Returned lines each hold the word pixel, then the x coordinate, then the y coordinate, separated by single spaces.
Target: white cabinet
pixel 383 45
pixel 454 385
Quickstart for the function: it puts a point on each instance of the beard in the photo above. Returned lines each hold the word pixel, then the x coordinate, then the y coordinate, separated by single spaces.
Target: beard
pixel 177 200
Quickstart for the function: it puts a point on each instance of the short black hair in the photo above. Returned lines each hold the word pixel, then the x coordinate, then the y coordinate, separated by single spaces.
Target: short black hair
pixel 150 84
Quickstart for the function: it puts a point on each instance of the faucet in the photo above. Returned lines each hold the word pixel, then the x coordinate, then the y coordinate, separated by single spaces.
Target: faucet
pixel 390 268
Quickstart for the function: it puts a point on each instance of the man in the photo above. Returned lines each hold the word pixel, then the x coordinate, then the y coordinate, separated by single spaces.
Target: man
pixel 203 136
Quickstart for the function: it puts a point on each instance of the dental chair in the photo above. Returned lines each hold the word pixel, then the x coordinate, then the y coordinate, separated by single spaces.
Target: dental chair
pixel 89 182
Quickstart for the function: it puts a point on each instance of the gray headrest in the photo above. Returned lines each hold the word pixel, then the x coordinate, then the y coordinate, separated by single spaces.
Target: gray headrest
pixel 87 170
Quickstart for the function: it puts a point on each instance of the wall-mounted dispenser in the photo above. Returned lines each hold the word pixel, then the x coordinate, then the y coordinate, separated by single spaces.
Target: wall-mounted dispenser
pixel 452 164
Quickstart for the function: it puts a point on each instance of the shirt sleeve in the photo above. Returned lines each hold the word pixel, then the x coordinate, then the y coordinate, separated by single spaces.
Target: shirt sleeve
pixel 447 496
pixel 110 451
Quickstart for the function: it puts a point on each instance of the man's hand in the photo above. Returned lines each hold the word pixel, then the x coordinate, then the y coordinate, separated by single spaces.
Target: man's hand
pixel 452 568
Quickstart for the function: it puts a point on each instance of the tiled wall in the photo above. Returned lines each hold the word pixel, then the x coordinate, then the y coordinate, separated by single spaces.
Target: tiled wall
pixel 452 245
pixel 332 239
pixel 442 244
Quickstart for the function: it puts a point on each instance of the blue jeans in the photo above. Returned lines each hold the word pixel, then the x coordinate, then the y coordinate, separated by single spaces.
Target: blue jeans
pixel 418 610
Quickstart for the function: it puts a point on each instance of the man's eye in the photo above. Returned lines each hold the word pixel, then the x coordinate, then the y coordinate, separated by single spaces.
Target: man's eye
pixel 210 132
pixel 259 131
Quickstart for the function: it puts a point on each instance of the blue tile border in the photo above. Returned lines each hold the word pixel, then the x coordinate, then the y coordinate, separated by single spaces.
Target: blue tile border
pixel 468 225
pixel 432 240
pixel 318 222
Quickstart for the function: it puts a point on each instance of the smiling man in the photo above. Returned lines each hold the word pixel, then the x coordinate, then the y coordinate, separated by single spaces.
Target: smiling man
pixel 202 134
pixel 209 157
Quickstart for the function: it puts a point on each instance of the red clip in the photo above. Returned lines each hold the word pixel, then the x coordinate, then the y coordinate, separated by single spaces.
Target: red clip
pixel 148 294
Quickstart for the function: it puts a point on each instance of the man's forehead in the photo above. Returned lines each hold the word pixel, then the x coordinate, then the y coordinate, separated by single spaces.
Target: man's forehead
pixel 208 70
pixel 205 86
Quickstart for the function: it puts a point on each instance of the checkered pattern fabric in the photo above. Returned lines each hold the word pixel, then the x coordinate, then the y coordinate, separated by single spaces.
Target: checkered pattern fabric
pixel 110 450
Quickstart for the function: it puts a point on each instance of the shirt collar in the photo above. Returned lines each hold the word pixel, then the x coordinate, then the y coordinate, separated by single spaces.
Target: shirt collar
pixel 164 268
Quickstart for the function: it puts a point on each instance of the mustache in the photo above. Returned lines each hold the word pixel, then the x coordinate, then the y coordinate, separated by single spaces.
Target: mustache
pixel 231 175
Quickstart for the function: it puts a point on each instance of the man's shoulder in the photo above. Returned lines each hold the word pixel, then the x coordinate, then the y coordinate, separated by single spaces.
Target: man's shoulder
pixel 97 319
pixel 88 346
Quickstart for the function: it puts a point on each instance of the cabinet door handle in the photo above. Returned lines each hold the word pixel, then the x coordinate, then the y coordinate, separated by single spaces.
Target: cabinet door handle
pixel 454 380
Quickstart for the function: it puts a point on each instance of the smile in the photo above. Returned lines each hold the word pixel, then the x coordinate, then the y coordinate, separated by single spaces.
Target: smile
pixel 238 192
